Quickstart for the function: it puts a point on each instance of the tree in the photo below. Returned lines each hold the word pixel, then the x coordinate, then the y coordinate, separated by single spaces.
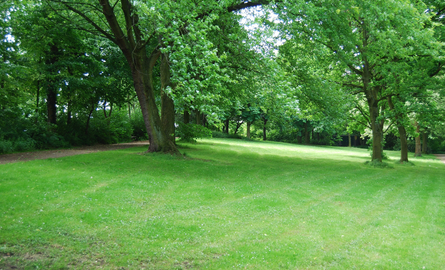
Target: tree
pixel 148 32
pixel 367 39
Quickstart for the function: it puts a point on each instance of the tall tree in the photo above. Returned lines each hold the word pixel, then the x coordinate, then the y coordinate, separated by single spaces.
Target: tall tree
pixel 152 31
pixel 367 38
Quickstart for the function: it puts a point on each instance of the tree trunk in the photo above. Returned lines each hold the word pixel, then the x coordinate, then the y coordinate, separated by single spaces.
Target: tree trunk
pixel 51 101
pixel 248 129
pixel 68 113
pixel 141 64
pixel 418 151
pixel 198 117
pixel 377 132
pixel 307 134
pixel 264 129
pixel 37 97
pixel 425 143
pixel 350 140
pixel 167 109
pixel 186 116
pixel 238 125
pixel 226 126
pixel 87 126
pixel 403 144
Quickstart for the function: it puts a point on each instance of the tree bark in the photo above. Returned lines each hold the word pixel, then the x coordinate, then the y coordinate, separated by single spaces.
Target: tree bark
pixel 226 126
pixel 186 116
pixel 68 113
pixel 264 129
pixel 51 90
pixel 425 143
pixel 307 134
pixel 377 132
pixel 167 108
pixel 87 126
pixel 198 117
pixel 51 102
pixel 133 47
pixel 248 129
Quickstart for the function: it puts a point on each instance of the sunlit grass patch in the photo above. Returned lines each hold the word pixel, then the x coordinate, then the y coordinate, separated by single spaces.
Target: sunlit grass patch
pixel 228 203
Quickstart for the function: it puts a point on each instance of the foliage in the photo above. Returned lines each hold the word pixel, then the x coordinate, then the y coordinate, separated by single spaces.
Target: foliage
pixel 218 134
pixel 190 132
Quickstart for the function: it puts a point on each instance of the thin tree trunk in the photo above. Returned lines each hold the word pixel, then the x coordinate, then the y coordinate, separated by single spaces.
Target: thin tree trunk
pixel 418 151
pixel 350 140
pixel 264 129
pixel 198 117
pixel 38 97
pixel 238 125
pixel 248 129
pixel 186 116
pixel 87 126
pixel 307 133
pixel 68 114
pixel 226 126
pixel 425 143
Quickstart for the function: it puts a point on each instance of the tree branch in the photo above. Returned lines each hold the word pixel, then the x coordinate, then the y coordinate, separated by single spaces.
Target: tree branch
pixel 91 22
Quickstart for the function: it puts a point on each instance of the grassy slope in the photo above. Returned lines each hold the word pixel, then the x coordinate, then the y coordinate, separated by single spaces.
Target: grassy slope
pixel 234 204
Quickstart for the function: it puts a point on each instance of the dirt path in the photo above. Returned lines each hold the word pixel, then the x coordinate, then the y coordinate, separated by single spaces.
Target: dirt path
pixel 26 156
pixel 441 157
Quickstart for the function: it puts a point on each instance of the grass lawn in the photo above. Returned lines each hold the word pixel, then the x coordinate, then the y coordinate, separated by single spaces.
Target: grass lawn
pixel 228 204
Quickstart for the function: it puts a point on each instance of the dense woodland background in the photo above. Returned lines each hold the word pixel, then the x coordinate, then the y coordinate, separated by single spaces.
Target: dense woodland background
pixel 357 72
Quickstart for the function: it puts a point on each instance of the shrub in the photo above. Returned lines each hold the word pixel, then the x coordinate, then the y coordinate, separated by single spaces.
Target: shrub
pixel 6 147
pixel 219 134
pixel 138 126
pixel 190 132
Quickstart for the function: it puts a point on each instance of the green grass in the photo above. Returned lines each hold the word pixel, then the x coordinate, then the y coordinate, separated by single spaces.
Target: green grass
pixel 228 204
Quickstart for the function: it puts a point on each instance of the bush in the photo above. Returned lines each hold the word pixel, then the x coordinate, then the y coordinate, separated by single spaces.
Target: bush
pixel 190 132
pixel 6 147
pixel 114 129
pixel 219 134
pixel 138 126
pixel 45 137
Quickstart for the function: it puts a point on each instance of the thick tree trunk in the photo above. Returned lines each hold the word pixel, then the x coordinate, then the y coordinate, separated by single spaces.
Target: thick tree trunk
pixel 403 144
pixel 248 129
pixel 377 132
pixel 133 47
pixel 167 109
pixel 51 102
pixel 418 151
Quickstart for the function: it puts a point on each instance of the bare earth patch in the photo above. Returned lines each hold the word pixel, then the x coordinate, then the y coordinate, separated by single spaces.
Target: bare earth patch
pixel 27 156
